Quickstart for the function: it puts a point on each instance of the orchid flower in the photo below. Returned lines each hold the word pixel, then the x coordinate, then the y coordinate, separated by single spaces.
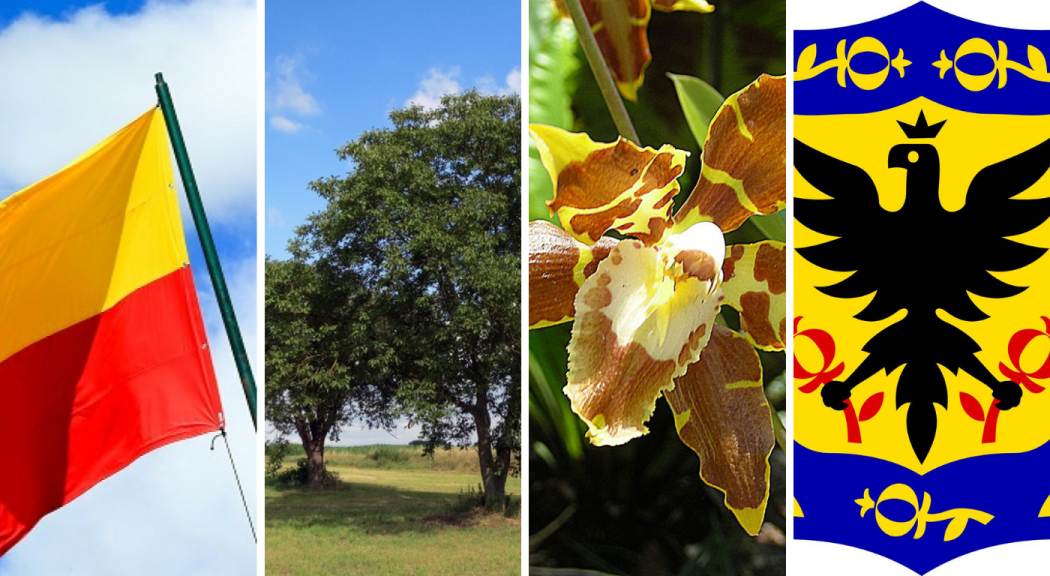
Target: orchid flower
pixel 645 308
pixel 621 29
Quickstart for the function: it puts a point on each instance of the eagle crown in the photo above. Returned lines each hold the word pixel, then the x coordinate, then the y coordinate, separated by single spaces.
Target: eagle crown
pixel 921 129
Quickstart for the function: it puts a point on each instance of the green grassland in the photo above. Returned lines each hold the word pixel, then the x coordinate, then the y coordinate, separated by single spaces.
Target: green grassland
pixel 395 512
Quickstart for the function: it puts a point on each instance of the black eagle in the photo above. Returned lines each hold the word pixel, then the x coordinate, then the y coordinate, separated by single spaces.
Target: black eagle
pixel 921 258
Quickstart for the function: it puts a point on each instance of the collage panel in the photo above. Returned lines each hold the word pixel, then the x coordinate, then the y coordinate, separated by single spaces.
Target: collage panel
pixel 272 275
pixel 128 287
pixel 921 147
pixel 393 289
pixel 656 244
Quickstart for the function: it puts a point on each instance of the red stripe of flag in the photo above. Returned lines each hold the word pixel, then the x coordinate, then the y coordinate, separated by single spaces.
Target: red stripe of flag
pixel 82 404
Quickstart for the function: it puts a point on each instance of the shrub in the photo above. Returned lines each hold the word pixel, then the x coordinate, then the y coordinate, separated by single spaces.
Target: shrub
pixel 388 456
pixel 296 476
pixel 275 454
pixel 469 502
pixel 513 507
pixel 473 501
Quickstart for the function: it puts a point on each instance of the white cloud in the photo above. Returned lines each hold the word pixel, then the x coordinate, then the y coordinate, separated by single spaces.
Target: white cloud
pixel 175 510
pixel 274 217
pixel 288 93
pixel 438 84
pixel 512 84
pixel 434 86
pixel 514 81
pixel 487 85
pixel 285 125
pixel 70 82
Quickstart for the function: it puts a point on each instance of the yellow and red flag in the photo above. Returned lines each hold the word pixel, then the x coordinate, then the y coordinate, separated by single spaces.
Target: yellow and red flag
pixel 103 353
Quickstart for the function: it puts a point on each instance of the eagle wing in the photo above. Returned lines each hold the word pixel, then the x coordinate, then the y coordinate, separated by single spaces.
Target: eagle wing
pixel 991 215
pixel 853 215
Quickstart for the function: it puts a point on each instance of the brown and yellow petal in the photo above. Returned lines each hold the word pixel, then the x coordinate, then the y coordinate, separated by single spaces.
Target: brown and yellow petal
pixel 602 186
pixel 641 319
pixel 754 283
pixel 721 413
pixel 620 26
pixel 558 265
pixel 743 170
pixel 687 5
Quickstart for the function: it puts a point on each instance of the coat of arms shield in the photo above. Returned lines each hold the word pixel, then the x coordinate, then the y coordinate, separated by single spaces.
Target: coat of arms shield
pixel 922 286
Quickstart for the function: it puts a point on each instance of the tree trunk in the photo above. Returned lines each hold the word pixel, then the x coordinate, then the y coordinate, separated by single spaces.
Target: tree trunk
pixel 313 437
pixel 493 481
pixel 503 456
pixel 315 464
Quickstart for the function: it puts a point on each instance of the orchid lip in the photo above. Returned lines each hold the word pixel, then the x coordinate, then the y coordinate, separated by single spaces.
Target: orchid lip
pixel 697 252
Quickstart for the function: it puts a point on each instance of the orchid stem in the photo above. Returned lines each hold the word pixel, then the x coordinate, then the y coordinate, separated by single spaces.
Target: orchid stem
pixel 613 101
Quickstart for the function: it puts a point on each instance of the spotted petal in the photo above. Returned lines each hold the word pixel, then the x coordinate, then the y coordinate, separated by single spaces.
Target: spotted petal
pixel 602 186
pixel 721 412
pixel 558 265
pixel 743 161
pixel 641 319
pixel 620 26
pixel 688 5
pixel 755 280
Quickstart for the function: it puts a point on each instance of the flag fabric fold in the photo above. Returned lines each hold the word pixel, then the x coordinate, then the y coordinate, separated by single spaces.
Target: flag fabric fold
pixel 103 352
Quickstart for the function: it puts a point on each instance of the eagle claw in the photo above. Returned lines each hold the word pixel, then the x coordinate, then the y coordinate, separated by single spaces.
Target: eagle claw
pixel 835 394
pixel 1008 394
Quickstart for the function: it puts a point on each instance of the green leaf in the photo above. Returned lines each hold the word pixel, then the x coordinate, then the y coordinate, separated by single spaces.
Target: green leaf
pixel 549 408
pixel 552 62
pixel 699 102
pixel 540 188
pixel 773 226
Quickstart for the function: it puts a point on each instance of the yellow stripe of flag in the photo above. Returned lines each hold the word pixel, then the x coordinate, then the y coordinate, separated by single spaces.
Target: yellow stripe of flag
pixel 78 225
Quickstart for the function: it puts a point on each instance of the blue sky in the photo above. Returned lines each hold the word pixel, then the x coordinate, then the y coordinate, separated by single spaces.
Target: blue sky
pixel 84 70
pixel 336 69
pixel 63 8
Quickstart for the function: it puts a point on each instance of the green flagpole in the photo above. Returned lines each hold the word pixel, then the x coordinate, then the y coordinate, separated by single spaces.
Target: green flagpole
pixel 218 281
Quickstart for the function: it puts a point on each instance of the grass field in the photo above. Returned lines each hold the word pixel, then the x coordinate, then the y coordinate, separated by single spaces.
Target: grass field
pixel 395 513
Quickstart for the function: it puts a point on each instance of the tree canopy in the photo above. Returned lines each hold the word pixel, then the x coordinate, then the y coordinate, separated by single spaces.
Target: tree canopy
pixel 325 364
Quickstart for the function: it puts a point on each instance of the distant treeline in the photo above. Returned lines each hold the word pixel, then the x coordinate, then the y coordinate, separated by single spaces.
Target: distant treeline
pixel 390 456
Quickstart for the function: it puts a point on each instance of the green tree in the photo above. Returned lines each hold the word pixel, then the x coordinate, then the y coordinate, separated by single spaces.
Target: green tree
pixel 429 221
pixel 324 364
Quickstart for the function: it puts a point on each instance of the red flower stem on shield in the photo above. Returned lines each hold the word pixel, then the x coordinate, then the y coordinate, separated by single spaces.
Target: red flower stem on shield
pixel 852 423
pixel 990 423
